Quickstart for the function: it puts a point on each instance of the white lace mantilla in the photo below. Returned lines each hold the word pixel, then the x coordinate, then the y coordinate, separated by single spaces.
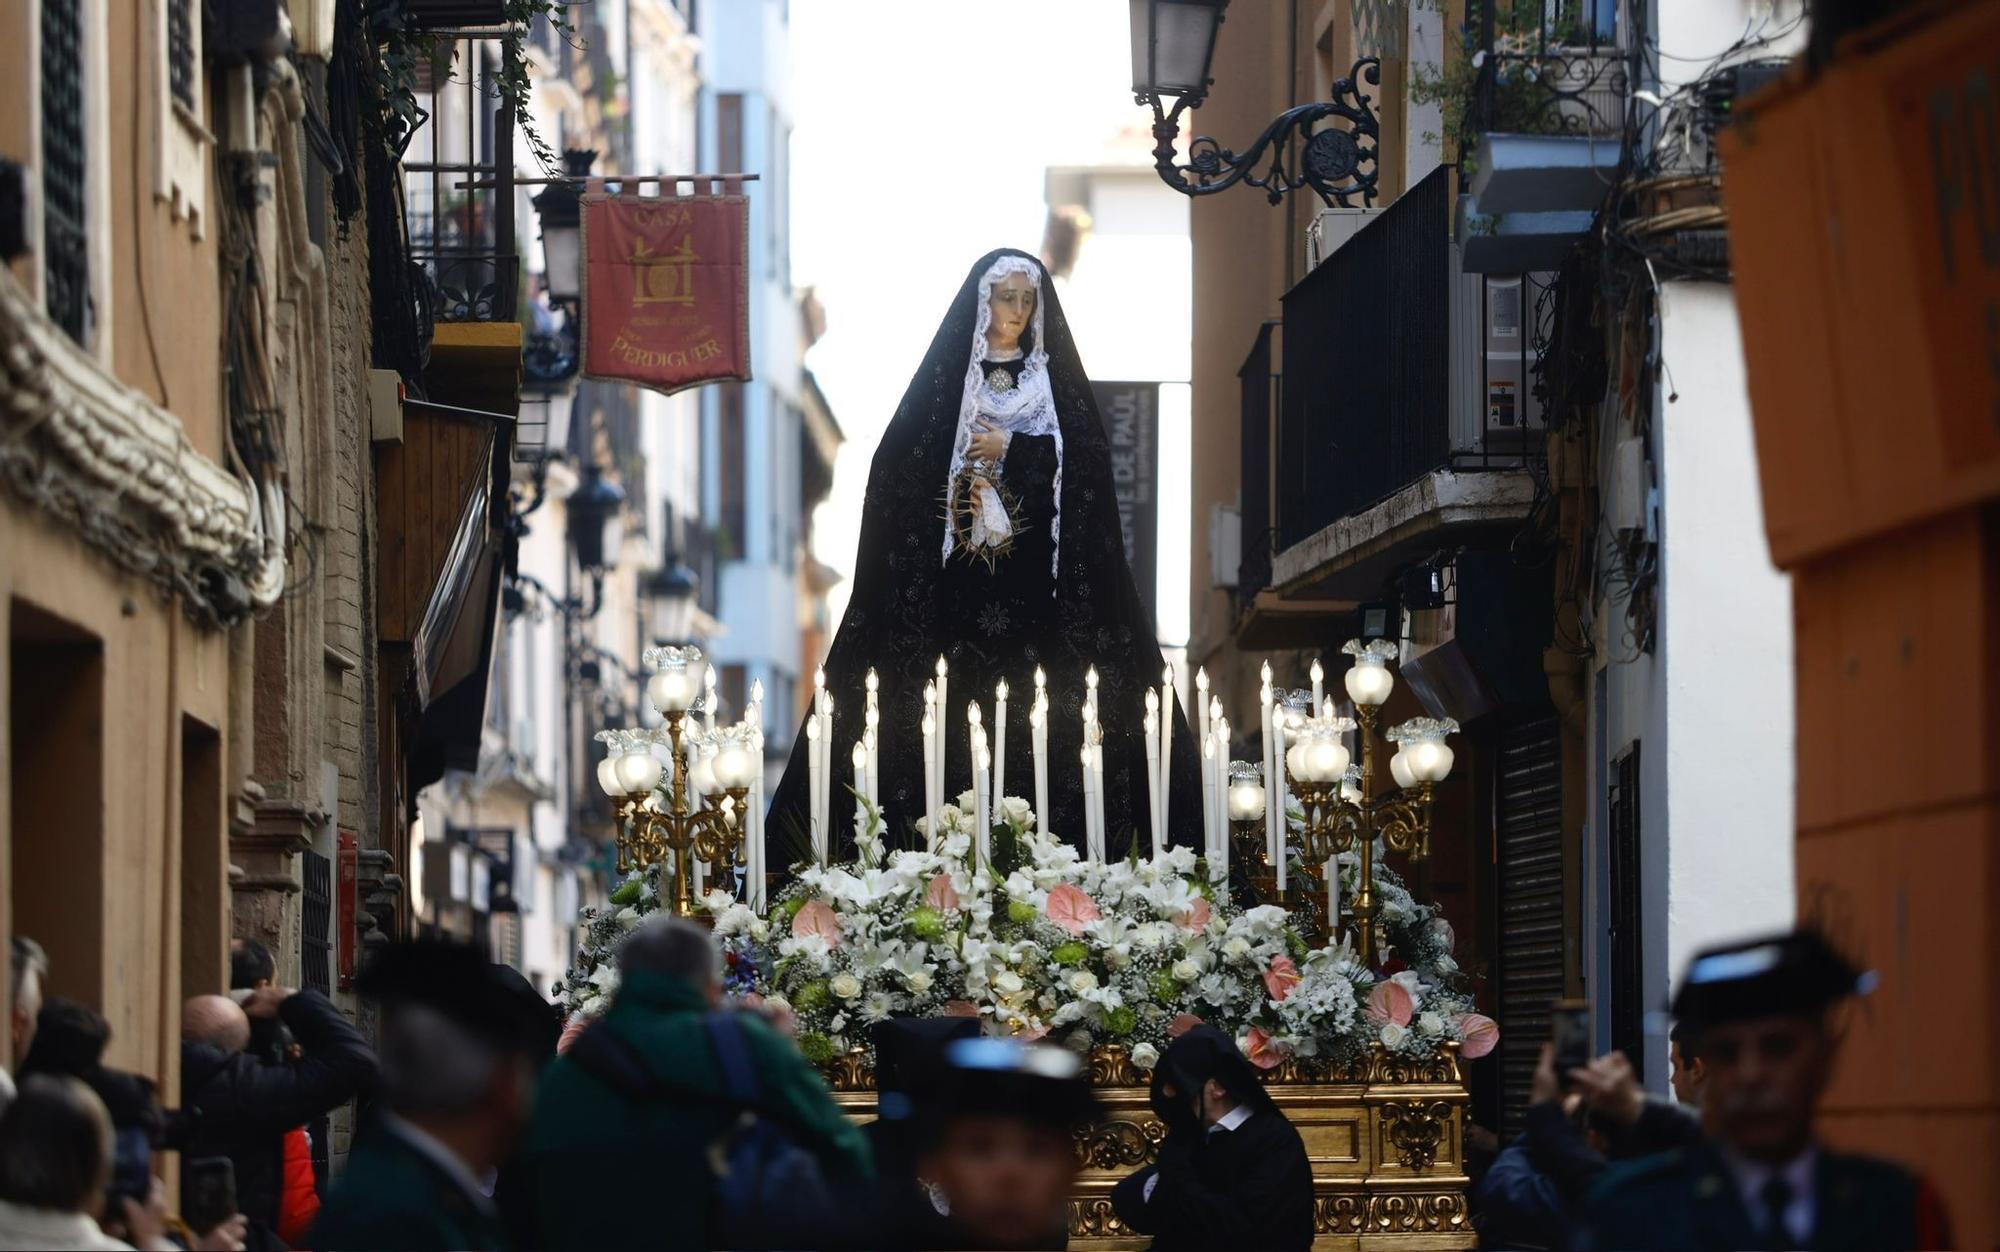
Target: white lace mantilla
pixel 1028 407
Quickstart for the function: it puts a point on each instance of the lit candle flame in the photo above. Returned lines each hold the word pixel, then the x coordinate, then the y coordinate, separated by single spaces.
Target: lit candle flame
pixel 941 666
pixel 1000 691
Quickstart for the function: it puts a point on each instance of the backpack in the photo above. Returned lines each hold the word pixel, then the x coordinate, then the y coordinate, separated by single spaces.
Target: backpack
pixel 763 1184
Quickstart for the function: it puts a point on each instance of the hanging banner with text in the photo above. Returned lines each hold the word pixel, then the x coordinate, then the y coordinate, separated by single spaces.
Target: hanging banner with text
pixel 666 295
pixel 1131 413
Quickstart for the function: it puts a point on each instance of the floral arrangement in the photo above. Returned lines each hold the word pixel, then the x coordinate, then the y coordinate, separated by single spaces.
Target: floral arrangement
pixel 1035 941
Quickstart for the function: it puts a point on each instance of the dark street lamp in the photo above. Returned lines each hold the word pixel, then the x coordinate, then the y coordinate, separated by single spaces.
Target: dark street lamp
pixel 671 594
pixel 596 524
pixel 561 210
pixel 1173 43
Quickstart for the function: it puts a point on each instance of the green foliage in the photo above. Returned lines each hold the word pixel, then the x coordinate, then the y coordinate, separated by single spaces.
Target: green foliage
pixel 1522 102
pixel 404 50
pixel 816 1047
pixel 1122 1020
pixel 628 891
pixel 1021 912
pixel 811 995
pixel 927 923
pixel 1071 953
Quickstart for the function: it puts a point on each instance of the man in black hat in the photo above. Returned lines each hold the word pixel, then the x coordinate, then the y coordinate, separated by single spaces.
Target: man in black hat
pixel 461 1044
pixel 1757 1015
pixel 1232 1172
pixel 996 1147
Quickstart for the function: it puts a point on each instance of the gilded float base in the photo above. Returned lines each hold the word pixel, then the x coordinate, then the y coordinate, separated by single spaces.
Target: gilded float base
pixel 1386 1142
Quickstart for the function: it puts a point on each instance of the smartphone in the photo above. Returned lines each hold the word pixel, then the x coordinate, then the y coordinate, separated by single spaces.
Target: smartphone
pixel 131 1167
pixel 208 1192
pixel 1569 1027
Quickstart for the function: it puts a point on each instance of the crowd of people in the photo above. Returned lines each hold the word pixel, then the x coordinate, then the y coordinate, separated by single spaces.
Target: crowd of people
pixel 675 1121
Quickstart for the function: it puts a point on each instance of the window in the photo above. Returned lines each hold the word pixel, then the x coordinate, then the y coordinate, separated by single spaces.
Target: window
pixel 1628 966
pixel 65 246
pixel 735 689
pixel 729 472
pixel 729 133
pixel 180 52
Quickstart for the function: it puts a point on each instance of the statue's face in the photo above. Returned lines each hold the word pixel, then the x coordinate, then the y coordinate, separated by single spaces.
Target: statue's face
pixel 1013 305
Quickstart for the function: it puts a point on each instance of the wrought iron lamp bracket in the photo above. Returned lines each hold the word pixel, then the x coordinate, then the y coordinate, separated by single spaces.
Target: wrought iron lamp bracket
pixel 1338 163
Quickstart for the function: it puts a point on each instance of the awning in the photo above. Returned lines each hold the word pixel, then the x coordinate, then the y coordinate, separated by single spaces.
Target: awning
pixel 453 648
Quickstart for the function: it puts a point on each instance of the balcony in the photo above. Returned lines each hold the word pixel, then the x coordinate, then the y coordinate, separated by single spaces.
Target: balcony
pixel 1389 417
pixel 1545 124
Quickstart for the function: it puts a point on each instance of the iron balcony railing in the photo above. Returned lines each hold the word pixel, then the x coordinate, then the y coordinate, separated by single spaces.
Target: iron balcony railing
pixel 1546 67
pixel 459 179
pixel 1261 382
pixel 1364 407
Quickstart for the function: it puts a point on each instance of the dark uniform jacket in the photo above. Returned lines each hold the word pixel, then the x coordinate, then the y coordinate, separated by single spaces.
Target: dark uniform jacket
pixel 242 1105
pixel 1245 1188
pixel 1688 1199
pixel 394 1196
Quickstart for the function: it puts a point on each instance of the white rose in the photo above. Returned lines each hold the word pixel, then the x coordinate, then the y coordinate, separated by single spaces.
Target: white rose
pixel 1446 965
pixel 760 930
pixel 1430 1023
pixel 777 1003
pixel 1186 971
pixel 1145 1055
pixel 1082 980
pixel 1015 811
pixel 1394 1035
pixel 627 917
pixel 966 801
pixel 1236 948
pixel 846 986
pixel 1007 982
pixel 919 982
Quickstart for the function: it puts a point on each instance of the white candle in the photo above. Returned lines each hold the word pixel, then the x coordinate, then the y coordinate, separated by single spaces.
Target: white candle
pixel 815 766
pixel 930 785
pixel 1318 675
pixel 753 818
pixel 1166 749
pixel 870 735
pixel 1216 872
pixel 1153 767
pixel 975 735
pixel 1038 729
pixel 944 724
pixel 708 695
pixel 982 795
pixel 1089 809
pixel 1275 794
pixel 1000 740
pixel 861 769
pixel 1097 790
pixel 1332 899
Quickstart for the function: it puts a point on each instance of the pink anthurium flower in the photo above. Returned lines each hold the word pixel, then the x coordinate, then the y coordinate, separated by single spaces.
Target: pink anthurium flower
pixel 1197 915
pixel 960 1008
pixel 1480 1032
pixel 1182 1023
pixel 1264 1052
pixel 1281 977
pixel 571 1029
pixel 1071 909
pixel 1390 1002
pixel 941 894
pixel 817 919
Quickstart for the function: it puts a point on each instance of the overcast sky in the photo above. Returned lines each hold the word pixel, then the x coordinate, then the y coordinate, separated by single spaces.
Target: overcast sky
pixel 921 130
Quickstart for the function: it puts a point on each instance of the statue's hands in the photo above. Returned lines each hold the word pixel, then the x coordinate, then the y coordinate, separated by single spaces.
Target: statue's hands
pixel 987 444
pixel 981 492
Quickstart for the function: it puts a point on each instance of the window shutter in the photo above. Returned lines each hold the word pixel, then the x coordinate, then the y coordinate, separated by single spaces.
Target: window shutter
pixel 1529 812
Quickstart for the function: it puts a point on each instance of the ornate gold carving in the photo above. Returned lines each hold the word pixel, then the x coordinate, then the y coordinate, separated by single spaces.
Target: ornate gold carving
pixel 1396 1069
pixel 1414 1128
pixel 1340 1214
pixel 1119 1144
pixel 1095 1219
pixel 1425 1212
pixel 849 1072
pixel 1111 1066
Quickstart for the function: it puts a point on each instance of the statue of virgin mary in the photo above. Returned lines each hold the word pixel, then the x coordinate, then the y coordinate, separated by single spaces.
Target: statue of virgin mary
pixel 990 536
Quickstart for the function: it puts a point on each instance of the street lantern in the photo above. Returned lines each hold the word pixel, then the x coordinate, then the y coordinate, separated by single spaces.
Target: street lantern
pixel 561 209
pixel 543 426
pixel 1173 42
pixel 596 527
pixel 671 594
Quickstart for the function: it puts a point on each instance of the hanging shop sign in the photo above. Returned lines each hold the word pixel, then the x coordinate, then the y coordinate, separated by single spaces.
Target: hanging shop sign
pixel 666 293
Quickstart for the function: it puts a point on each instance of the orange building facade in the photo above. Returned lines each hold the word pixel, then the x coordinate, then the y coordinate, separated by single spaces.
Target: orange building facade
pixel 1862 189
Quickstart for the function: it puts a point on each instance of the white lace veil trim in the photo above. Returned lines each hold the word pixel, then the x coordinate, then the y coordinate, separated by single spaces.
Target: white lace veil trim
pixel 1028 408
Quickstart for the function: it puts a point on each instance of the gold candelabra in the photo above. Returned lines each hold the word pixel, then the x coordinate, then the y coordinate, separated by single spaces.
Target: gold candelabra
pixel 1337 821
pixel 649 832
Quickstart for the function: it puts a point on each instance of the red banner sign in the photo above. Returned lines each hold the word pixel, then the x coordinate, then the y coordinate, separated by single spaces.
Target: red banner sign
pixel 666 299
pixel 346 936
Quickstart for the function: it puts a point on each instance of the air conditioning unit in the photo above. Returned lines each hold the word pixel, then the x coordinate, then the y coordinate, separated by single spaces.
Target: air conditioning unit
pixel 1333 228
pixel 1494 411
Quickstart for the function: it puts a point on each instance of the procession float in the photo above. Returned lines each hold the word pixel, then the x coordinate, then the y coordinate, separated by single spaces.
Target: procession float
pixel 1286 928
